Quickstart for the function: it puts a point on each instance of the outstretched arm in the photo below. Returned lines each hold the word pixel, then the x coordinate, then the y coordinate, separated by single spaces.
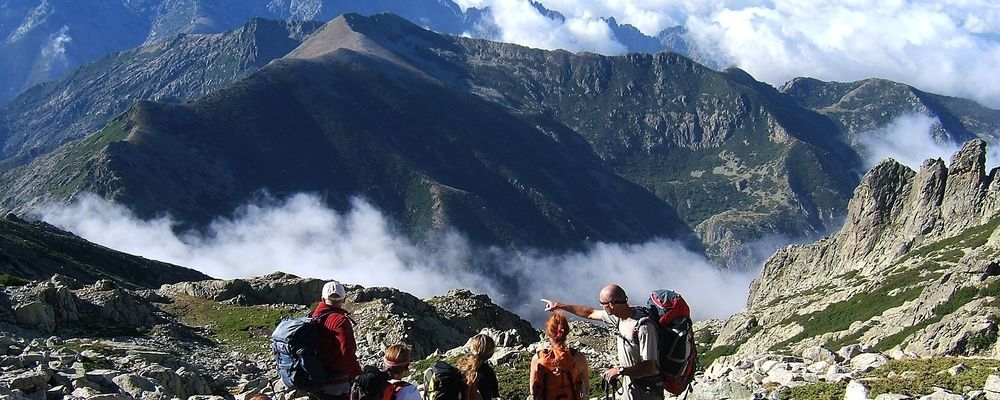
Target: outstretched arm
pixel 580 311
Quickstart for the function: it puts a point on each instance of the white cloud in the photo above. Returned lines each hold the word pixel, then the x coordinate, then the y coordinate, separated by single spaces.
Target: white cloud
pixel 950 47
pixel 520 22
pixel 910 139
pixel 301 236
pixel 53 56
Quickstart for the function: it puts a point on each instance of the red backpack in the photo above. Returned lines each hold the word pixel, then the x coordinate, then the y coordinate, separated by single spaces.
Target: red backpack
pixel 678 357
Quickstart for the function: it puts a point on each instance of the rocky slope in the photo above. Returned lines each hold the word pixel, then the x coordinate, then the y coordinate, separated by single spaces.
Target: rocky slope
pixel 913 272
pixel 209 337
pixel 208 340
pixel 178 69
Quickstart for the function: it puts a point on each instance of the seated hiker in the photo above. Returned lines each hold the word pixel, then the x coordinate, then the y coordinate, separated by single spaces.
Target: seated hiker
pixel 480 379
pixel 558 371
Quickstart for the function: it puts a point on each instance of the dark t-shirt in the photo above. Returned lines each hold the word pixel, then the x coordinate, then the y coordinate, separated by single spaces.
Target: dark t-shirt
pixel 487 382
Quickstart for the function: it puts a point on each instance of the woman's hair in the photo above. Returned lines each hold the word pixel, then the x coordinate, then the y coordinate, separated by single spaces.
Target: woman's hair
pixel 480 349
pixel 557 327
pixel 397 359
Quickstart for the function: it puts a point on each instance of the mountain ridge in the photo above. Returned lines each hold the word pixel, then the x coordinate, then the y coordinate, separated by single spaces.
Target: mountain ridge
pixel 37 251
pixel 739 160
pixel 182 68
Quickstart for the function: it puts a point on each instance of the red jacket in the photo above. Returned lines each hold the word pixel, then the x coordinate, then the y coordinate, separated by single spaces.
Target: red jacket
pixel 337 347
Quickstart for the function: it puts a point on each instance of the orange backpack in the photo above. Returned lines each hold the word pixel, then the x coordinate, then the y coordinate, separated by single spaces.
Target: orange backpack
pixel 557 376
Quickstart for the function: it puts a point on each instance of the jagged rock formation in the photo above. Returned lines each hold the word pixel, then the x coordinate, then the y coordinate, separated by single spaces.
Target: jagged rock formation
pixel 913 272
pixel 36 250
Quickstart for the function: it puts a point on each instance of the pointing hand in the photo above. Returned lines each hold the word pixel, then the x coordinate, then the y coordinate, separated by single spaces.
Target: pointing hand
pixel 550 305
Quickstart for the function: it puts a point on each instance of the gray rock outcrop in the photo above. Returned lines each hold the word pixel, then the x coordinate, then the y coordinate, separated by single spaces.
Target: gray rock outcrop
pixel 917 250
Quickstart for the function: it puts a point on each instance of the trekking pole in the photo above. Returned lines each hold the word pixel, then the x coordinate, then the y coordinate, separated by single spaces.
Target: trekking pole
pixel 610 387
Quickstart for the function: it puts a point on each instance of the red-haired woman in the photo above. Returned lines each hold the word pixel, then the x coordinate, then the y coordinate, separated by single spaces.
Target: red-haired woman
pixel 558 371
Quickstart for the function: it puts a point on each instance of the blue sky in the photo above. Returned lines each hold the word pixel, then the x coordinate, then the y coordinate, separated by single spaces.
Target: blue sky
pixel 949 47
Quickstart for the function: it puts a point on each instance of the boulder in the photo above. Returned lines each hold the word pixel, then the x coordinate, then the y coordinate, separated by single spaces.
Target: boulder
pixel 274 288
pixel 36 314
pixel 61 299
pixel 138 387
pixel 116 306
pixel 817 353
pixel 941 394
pixel 472 312
pixel 867 362
pixel 856 391
pixel 992 384
pixel 892 396
pixel 848 352
pixel 32 381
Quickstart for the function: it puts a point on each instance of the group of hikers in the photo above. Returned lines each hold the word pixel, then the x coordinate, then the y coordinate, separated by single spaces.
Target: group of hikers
pixel 556 372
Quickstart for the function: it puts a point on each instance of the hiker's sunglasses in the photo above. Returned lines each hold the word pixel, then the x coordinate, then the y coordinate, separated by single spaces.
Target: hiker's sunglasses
pixel 608 303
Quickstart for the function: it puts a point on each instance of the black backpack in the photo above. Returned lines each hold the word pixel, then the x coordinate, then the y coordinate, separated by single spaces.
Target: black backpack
pixel 443 382
pixel 294 343
pixel 373 384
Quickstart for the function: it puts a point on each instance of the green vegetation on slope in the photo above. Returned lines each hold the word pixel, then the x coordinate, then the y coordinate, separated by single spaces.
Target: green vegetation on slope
pixel 915 377
pixel 927 373
pixel 971 238
pixel 11 280
pixel 245 329
pixel 860 307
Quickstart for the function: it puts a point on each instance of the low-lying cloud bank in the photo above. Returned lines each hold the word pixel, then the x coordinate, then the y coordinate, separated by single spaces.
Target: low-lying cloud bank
pixel 300 235
pixel 950 47
pixel 911 139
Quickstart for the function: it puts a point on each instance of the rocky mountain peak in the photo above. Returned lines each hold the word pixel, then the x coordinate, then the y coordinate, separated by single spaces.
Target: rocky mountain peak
pixel 908 271
pixel 966 189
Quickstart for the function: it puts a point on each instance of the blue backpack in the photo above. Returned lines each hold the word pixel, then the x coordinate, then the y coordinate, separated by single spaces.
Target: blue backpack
pixel 295 345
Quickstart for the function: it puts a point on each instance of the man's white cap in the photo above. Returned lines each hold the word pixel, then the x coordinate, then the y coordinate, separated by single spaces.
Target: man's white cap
pixel 333 290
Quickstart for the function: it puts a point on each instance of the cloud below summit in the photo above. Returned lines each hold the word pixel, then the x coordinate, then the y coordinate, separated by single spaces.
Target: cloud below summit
pixel 910 141
pixel 300 235
pixel 950 47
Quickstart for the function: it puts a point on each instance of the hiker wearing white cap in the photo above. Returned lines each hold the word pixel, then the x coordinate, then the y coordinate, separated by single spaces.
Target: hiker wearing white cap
pixel 337 346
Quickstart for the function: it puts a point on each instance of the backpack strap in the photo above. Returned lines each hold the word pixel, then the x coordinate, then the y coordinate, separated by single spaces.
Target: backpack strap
pixel 322 316
pixel 396 387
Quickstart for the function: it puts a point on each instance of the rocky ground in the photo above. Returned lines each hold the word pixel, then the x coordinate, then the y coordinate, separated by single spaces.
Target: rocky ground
pixel 207 340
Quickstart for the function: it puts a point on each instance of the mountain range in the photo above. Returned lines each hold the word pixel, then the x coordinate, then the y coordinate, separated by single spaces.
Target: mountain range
pixel 900 303
pixel 715 153
pixel 45 39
